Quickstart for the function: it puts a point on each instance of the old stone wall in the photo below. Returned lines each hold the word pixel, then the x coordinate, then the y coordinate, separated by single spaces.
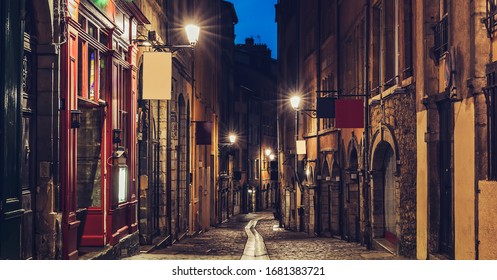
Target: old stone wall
pixel 398 112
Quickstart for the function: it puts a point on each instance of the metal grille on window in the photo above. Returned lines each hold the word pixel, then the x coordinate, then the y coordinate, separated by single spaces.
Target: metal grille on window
pixel 490 19
pixel 441 38
pixel 491 92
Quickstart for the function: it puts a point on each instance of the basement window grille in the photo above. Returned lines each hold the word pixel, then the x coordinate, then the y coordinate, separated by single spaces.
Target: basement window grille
pixel 441 30
pixel 490 19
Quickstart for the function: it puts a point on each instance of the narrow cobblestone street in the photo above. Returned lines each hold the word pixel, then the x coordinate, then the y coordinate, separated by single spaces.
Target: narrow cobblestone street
pixel 228 241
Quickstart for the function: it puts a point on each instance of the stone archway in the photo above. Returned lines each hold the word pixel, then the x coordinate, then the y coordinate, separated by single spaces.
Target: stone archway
pixel 352 195
pixel 384 186
pixel 336 204
pixel 323 213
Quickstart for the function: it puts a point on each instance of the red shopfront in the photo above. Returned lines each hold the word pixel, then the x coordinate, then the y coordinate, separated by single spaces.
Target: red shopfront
pixel 98 127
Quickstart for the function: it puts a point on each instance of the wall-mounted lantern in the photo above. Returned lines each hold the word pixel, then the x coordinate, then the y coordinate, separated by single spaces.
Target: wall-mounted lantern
pixel 119 177
pixel 75 118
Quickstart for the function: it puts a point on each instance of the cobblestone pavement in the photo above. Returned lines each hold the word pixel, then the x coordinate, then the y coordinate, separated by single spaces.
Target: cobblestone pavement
pixel 227 242
pixel 288 245
pixel 223 242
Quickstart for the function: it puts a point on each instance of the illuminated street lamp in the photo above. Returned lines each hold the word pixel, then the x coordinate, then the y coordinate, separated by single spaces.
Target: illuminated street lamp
pixel 192 32
pixel 268 152
pixel 232 138
pixel 295 102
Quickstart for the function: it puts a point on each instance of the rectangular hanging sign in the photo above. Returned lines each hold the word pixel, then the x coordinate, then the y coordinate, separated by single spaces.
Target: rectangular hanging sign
pixel 157 75
pixel 301 147
pixel 203 133
pixel 325 108
pixel 349 113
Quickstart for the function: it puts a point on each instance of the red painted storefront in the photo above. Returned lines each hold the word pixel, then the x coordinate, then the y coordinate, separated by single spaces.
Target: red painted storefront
pixel 98 124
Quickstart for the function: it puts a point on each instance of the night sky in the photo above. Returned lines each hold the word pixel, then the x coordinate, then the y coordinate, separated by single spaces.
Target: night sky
pixel 256 18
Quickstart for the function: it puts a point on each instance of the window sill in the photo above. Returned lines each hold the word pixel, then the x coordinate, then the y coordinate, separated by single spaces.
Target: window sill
pixel 84 102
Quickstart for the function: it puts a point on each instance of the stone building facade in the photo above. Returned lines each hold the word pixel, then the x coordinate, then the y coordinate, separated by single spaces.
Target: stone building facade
pixel 83 177
pixel 254 111
pixel 424 168
pixel 356 186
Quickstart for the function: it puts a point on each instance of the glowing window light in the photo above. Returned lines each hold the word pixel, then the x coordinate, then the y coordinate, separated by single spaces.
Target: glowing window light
pixel 122 183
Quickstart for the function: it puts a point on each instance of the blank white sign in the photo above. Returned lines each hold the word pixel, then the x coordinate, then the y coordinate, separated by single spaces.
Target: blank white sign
pixel 157 75
pixel 301 147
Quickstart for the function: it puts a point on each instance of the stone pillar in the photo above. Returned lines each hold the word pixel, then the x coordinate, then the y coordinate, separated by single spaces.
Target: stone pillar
pixel 47 228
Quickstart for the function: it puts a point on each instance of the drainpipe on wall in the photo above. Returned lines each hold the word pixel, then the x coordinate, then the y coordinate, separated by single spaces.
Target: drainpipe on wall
pixel 367 233
pixel 317 226
pixel 169 215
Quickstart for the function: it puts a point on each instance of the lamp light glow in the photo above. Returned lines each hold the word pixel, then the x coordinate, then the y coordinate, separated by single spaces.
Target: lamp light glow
pixel 232 138
pixel 122 183
pixel 193 32
pixel 295 101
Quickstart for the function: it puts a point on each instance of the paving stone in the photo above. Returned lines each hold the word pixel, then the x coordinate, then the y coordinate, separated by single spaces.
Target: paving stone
pixel 227 242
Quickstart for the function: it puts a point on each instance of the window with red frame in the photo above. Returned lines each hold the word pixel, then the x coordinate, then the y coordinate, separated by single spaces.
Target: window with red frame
pixel 92 61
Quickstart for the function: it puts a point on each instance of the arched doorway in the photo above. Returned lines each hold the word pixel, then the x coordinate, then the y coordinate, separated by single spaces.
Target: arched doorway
pixel 323 213
pixel 336 205
pixel 352 196
pixel 384 193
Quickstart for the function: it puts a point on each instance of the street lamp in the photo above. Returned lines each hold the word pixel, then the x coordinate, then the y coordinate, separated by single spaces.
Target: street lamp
pixel 192 32
pixel 225 175
pixel 232 138
pixel 295 101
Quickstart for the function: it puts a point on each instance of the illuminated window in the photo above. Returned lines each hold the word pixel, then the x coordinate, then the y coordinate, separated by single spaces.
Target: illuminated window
pixel 92 63
pixel 123 172
pixel 91 73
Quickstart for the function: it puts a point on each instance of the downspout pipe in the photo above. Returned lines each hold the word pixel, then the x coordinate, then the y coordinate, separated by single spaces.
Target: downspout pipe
pixel 367 233
pixel 338 76
pixel 317 194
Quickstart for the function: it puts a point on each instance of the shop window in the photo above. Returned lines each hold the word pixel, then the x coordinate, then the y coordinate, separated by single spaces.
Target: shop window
pixel 91 72
pixel 120 119
pixel 92 63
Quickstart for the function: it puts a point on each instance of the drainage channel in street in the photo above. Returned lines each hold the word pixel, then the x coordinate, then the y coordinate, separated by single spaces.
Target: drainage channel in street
pixel 255 249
